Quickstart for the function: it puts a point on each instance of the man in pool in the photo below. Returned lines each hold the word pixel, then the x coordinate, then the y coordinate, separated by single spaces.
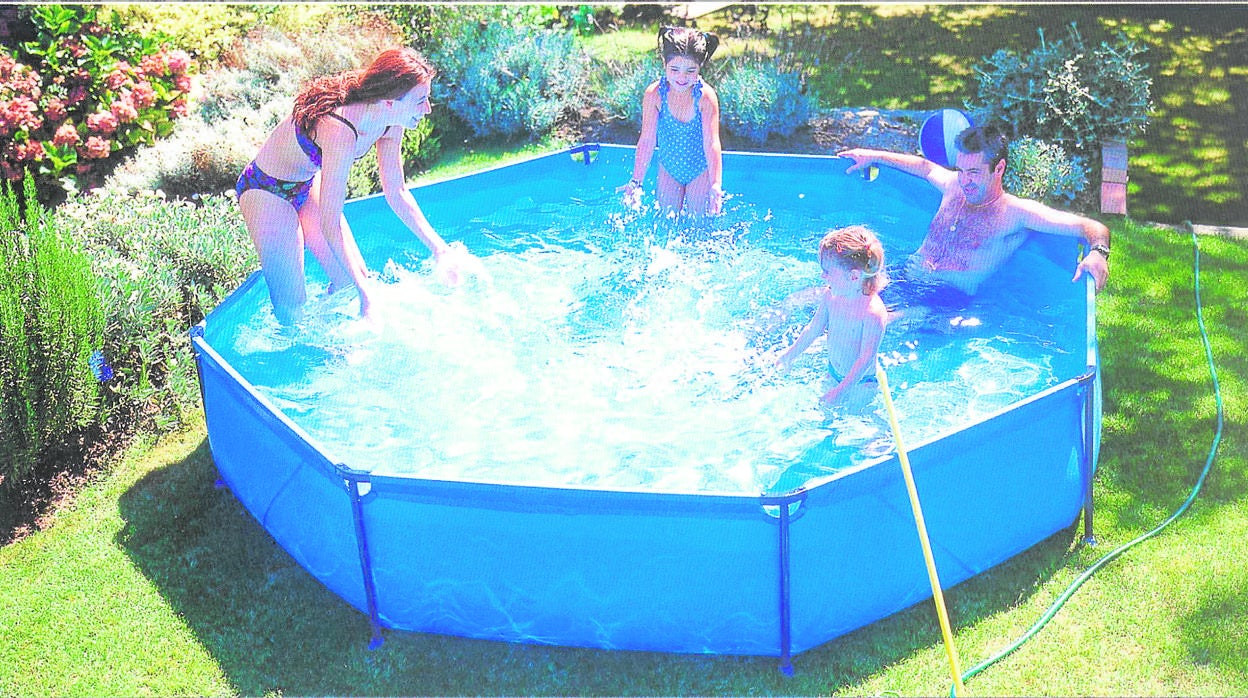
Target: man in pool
pixel 978 225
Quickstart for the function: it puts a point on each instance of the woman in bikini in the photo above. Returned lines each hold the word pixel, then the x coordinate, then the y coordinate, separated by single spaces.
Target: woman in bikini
pixel 292 194
pixel 680 115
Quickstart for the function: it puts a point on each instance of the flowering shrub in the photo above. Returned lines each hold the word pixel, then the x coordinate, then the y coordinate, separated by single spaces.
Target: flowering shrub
pixel 99 90
pixel 1043 171
pixel 623 87
pixel 1065 92
pixel 507 81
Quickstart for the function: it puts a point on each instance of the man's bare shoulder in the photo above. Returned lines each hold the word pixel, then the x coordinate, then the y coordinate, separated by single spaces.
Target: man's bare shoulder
pixel 1031 214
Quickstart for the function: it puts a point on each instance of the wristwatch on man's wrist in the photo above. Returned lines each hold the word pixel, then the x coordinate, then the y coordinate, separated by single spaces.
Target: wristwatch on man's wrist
pixel 1103 249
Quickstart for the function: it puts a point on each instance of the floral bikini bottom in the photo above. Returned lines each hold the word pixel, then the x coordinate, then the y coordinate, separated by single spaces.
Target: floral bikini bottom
pixel 255 178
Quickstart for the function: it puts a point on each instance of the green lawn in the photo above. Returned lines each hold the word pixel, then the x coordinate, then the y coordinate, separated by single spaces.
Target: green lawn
pixel 154 582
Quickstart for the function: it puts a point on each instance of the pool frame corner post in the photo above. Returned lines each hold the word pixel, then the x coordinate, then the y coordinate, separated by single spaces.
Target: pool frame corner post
pixel 784 519
pixel 1091 384
pixel 359 485
pixel 1085 458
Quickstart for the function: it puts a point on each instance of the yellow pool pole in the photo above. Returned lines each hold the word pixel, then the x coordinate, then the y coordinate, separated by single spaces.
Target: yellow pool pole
pixel 937 595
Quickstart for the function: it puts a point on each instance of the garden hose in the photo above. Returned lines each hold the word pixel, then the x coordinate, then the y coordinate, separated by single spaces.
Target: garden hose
pixel 1200 481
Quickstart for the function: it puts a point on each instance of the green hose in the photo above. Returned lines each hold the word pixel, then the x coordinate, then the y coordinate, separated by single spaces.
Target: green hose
pixel 1213 450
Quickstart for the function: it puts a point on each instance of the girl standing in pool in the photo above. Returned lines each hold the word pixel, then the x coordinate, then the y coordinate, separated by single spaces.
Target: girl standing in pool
pixel 292 194
pixel 850 312
pixel 680 115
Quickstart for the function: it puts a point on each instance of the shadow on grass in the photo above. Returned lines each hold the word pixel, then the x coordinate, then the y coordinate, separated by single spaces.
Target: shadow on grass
pixel 1216 632
pixel 1159 406
pixel 1189 162
pixel 271 627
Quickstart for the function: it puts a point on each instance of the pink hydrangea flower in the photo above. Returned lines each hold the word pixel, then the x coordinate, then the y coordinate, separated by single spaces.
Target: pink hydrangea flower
pixel 182 82
pixel 96 148
pixel 179 61
pixel 102 122
pixel 55 110
pixel 29 151
pixel 18 79
pixel 155 65
pixel 67 134
pixel 23 113
pixel 119 78
pixel 124 109
pixel 180 108
pixel 144 96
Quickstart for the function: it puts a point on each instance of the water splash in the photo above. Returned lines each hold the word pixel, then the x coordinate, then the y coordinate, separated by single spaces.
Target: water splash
pixel 630 354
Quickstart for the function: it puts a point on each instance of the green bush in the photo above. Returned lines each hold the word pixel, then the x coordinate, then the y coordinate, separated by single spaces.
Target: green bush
pixel 205 29
pixel 1043 171
pixel 162 264
pixel 622 88
pixel 758 98
pixel 84 90
pixel 1062 92
pixel 51 321
pixel 508 81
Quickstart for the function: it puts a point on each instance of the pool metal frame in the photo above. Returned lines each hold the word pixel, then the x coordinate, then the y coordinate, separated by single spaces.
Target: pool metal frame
pixel 386 544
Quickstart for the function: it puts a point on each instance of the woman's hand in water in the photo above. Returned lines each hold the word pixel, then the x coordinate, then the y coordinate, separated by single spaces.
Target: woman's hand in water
pixel 454 264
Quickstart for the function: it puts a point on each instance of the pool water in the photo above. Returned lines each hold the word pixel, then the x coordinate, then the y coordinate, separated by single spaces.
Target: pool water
pixel 620 349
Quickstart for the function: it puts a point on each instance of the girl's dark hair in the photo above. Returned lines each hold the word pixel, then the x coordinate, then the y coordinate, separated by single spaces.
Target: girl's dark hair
pixel 683 41
pixel 390 76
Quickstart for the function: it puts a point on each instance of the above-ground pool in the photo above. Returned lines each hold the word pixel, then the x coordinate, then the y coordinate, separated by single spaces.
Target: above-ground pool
pixel 589 445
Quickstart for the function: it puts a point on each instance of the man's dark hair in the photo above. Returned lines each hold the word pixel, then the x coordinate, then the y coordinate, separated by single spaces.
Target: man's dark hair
pixel 984 139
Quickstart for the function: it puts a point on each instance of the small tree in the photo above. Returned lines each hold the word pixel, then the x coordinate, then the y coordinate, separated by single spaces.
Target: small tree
pixel 1062 92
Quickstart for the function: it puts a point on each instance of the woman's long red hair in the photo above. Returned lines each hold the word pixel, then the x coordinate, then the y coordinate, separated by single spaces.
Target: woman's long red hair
pixel 390 76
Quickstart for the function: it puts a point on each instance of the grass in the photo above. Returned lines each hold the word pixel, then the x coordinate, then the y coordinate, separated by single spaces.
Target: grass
pixel 154 582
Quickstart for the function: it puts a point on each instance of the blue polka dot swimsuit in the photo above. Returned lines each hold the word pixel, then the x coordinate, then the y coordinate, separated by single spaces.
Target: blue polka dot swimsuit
pixel 680 142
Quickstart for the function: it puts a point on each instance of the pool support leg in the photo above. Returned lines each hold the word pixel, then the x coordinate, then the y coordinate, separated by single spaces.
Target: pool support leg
pixel 1089 385
pixel 784 518
pixel 786 631
pixel 359 486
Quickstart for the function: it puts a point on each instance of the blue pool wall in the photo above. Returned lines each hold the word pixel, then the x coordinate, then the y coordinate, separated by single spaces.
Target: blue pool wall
pixel 768 575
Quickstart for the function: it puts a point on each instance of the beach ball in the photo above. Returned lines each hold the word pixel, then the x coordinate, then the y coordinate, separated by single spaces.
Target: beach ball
pixel 937 135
